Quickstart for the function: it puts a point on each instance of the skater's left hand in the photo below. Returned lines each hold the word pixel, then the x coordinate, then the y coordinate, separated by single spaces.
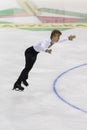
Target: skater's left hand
pixel 49 51
pixel 71 37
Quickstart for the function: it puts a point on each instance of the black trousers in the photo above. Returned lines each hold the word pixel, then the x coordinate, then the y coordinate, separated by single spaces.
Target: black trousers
pixel 30 58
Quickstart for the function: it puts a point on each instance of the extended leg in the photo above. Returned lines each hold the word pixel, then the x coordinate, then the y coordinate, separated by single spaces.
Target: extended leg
pixel 30 60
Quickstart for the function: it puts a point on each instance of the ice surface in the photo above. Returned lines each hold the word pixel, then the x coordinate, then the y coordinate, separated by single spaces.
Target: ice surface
pixel 38 108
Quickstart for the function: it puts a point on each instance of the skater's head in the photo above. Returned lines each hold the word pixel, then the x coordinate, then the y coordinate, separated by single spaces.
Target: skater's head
pixel 55 35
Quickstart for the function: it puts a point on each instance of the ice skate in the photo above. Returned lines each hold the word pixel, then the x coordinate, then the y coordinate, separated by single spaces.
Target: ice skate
pixel 25 83
pixel 18 87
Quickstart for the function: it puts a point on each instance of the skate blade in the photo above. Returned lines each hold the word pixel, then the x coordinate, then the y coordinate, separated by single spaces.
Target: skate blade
pixel 16 89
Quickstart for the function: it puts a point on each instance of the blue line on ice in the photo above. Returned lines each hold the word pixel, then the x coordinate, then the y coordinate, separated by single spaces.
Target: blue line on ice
pixel 57 93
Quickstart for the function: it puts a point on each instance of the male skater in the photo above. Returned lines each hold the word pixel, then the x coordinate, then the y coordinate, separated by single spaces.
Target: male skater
pixel 31 56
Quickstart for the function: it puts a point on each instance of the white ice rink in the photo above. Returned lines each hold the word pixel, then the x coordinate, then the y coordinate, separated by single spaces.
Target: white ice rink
pixel 56 98
pixel 38 107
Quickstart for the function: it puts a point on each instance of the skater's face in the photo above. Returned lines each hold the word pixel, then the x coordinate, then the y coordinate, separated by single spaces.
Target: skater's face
pixel 56 37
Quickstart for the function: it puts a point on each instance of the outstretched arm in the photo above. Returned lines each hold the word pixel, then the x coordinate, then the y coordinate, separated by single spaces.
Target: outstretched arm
pixel 63 39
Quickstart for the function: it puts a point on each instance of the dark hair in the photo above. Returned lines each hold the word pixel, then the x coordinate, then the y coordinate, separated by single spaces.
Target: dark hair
pixel 55 32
